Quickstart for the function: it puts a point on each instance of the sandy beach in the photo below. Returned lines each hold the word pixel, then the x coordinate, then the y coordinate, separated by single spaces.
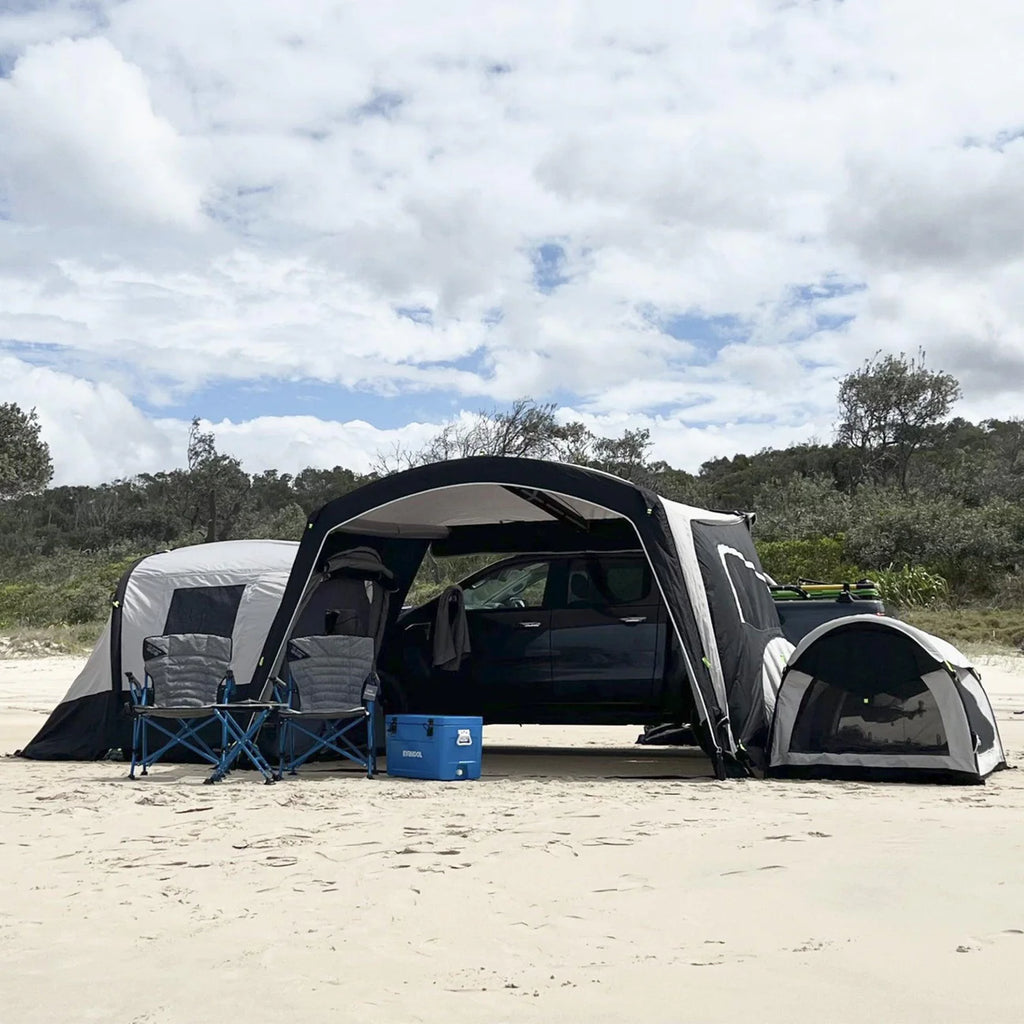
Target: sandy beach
pixel 581 879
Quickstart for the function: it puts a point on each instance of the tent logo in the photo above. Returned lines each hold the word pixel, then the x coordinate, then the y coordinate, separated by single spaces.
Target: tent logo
pixel 412 753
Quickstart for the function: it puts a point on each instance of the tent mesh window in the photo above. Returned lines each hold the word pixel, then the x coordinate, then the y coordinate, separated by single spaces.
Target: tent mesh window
pixel 836 720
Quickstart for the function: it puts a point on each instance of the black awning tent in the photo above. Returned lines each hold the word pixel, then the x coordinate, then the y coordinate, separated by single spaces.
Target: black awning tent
pixel 704 563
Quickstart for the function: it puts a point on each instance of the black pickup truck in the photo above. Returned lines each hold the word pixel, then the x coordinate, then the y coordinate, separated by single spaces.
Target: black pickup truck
pixel 572 639
pixel 806 604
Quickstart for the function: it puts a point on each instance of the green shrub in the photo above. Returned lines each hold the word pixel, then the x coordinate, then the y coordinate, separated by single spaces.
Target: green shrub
pixel 822 558
pixel 910 586
pixel 964 544
pixel 801 508
pixel 72 588
pixel 1007 590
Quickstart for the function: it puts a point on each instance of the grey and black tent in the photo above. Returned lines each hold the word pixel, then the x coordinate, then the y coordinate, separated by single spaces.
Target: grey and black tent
pixel 727 631
pixel 869 696
pixel 229 589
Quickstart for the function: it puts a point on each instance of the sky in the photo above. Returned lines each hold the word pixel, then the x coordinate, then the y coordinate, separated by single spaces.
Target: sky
pixel 326 228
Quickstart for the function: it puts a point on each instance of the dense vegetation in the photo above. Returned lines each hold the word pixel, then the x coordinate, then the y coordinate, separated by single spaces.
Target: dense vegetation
pixel 930 506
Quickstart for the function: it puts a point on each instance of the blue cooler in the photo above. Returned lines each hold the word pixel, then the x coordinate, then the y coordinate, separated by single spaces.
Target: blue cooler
pixel 434 746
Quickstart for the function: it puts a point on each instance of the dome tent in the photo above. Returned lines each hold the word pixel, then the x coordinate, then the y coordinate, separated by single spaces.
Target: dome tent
pixel 230 588
pixel 867 695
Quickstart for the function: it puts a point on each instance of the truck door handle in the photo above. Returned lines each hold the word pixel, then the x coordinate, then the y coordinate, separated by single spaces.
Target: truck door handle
pixel 633 620
pixel 527 625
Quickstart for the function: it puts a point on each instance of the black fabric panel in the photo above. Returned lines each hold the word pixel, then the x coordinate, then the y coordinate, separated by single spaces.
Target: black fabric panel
pixel 88 728
pixel 81 730
pixel 210 610
pixel 745 621
pixel 336 606
pixel 981 725
pixel 867 658
pixel 512 538
pixel 853 773
pixel 403 556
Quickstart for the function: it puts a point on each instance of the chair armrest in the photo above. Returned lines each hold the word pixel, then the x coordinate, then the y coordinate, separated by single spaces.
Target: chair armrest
pixel 228 688
pixel 139 691
pixel 281 690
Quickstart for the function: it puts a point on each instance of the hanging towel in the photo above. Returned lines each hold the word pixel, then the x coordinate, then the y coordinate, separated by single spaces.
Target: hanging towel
pixel 451 631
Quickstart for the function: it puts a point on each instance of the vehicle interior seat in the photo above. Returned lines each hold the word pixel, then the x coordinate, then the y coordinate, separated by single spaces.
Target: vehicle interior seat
pixel 582 592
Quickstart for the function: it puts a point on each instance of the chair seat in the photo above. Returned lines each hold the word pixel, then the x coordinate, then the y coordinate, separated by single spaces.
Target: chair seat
pixel 287 712
pixel 206 710
pixel 201 711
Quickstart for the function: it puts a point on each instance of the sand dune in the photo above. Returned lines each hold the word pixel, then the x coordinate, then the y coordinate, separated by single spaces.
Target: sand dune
pixel 581 879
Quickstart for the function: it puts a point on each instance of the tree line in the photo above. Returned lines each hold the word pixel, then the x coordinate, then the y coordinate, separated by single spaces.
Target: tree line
pixel 903 488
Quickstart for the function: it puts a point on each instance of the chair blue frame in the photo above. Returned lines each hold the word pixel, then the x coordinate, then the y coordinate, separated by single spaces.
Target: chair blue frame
pixel 201 694
pixel 329 680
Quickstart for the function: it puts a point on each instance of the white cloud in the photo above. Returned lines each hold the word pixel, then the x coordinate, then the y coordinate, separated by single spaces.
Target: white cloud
pixel 93 431
pixel 84 144
pixel 291 443
pixel 195 193
pixel 963 208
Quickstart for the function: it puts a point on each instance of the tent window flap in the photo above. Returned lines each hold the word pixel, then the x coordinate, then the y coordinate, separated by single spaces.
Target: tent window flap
pixel 209 610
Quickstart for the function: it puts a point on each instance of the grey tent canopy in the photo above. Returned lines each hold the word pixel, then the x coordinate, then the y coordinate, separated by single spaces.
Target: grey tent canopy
pixel 867 695
pixel 704 563
pixel 229 589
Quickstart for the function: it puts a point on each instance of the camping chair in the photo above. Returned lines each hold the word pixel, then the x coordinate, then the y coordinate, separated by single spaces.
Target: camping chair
pixel 188 687
pixel 330 681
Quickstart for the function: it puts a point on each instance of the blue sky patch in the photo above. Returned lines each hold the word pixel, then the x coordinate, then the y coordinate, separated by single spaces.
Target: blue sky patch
pixel 548 267
pixel 810 295
pixel 477 362
pixel 245 400
pixel 35 353
pixel 708 334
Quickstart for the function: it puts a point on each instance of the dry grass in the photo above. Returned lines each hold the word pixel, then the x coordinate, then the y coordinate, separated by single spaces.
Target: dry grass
pixel 40 641
pixel 986 628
